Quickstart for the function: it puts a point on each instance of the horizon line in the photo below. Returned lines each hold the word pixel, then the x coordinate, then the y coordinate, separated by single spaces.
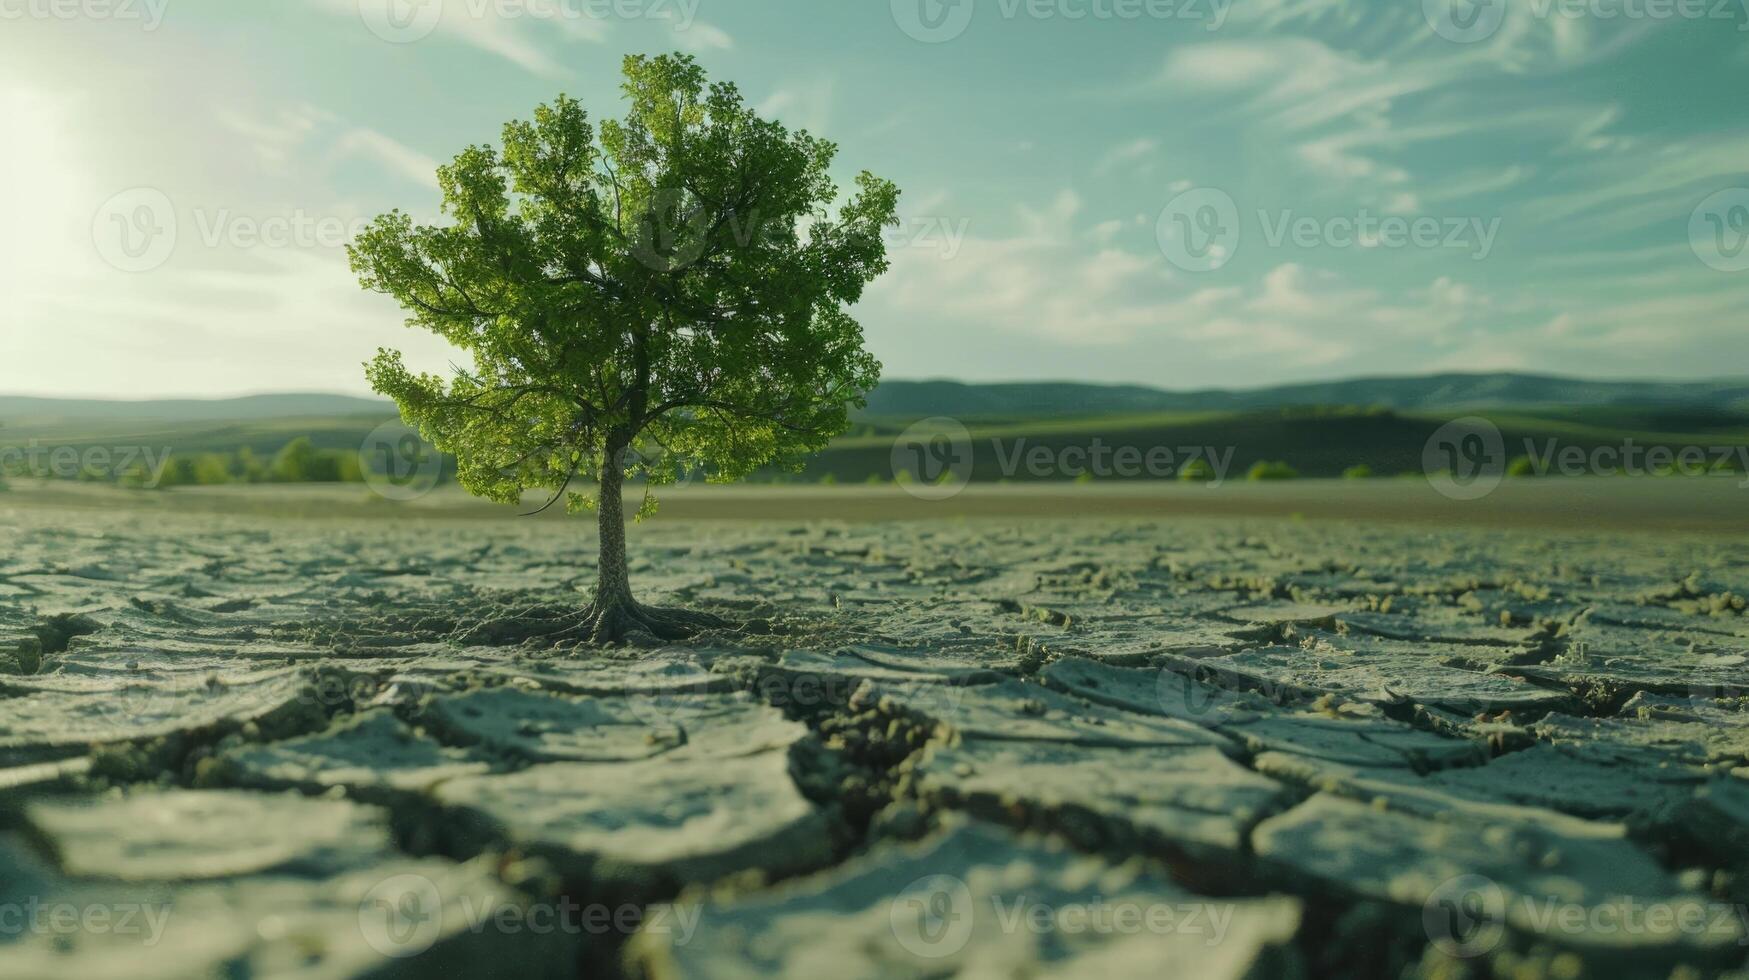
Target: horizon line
pixel 1341 379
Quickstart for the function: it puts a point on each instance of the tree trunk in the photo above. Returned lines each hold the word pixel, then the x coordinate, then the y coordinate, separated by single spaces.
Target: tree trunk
pixel 613 587
pixel 615 617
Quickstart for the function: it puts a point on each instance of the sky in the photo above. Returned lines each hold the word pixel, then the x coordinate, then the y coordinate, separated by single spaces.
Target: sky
pixel 1181 193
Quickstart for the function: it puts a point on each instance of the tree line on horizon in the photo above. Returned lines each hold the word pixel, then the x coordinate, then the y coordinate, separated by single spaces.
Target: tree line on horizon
pixel 299 461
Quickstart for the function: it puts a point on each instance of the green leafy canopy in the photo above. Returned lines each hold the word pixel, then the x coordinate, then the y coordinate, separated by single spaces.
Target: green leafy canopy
pixel 666 294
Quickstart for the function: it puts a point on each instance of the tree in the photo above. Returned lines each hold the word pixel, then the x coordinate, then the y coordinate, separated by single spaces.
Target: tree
pixel 212 469
pixel 301 462
pixel 1271 470
pixel 660 297
pixel 250 468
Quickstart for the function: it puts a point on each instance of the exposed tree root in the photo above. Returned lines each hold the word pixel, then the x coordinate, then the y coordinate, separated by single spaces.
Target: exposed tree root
pixel 623 621
pixel 620 621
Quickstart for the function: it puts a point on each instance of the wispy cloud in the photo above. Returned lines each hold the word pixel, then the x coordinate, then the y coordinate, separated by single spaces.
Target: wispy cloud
pixel 802 106
pixel 487 27
pixel 1069 284
pixel 397 157
pixel 1125 153
pixel 274 137
pixel 699 36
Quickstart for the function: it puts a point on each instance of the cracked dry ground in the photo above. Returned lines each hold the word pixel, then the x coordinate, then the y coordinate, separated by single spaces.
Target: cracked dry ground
pixel 1202 749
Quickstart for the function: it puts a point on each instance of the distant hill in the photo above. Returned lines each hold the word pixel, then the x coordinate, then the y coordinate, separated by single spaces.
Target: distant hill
pixel 1320 430
pixel 1688 403
pixel 1442 392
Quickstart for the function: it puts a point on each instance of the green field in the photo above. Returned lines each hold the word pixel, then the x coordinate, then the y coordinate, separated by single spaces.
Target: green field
pixel 1312 441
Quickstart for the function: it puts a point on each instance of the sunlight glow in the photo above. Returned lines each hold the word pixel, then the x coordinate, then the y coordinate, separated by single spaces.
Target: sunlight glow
pixel 46 219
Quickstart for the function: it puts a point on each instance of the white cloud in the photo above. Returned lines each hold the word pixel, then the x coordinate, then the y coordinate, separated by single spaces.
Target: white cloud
pixel 399 158
pixel 1645 184
pixel 1477 183
pixel 1226 66
pixel 213 320
pixel 700 36
pixel 1127 152
pixel 217 316
pixel 1044 282
pixel 274 137
pixel 805 106
pixel 512 38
